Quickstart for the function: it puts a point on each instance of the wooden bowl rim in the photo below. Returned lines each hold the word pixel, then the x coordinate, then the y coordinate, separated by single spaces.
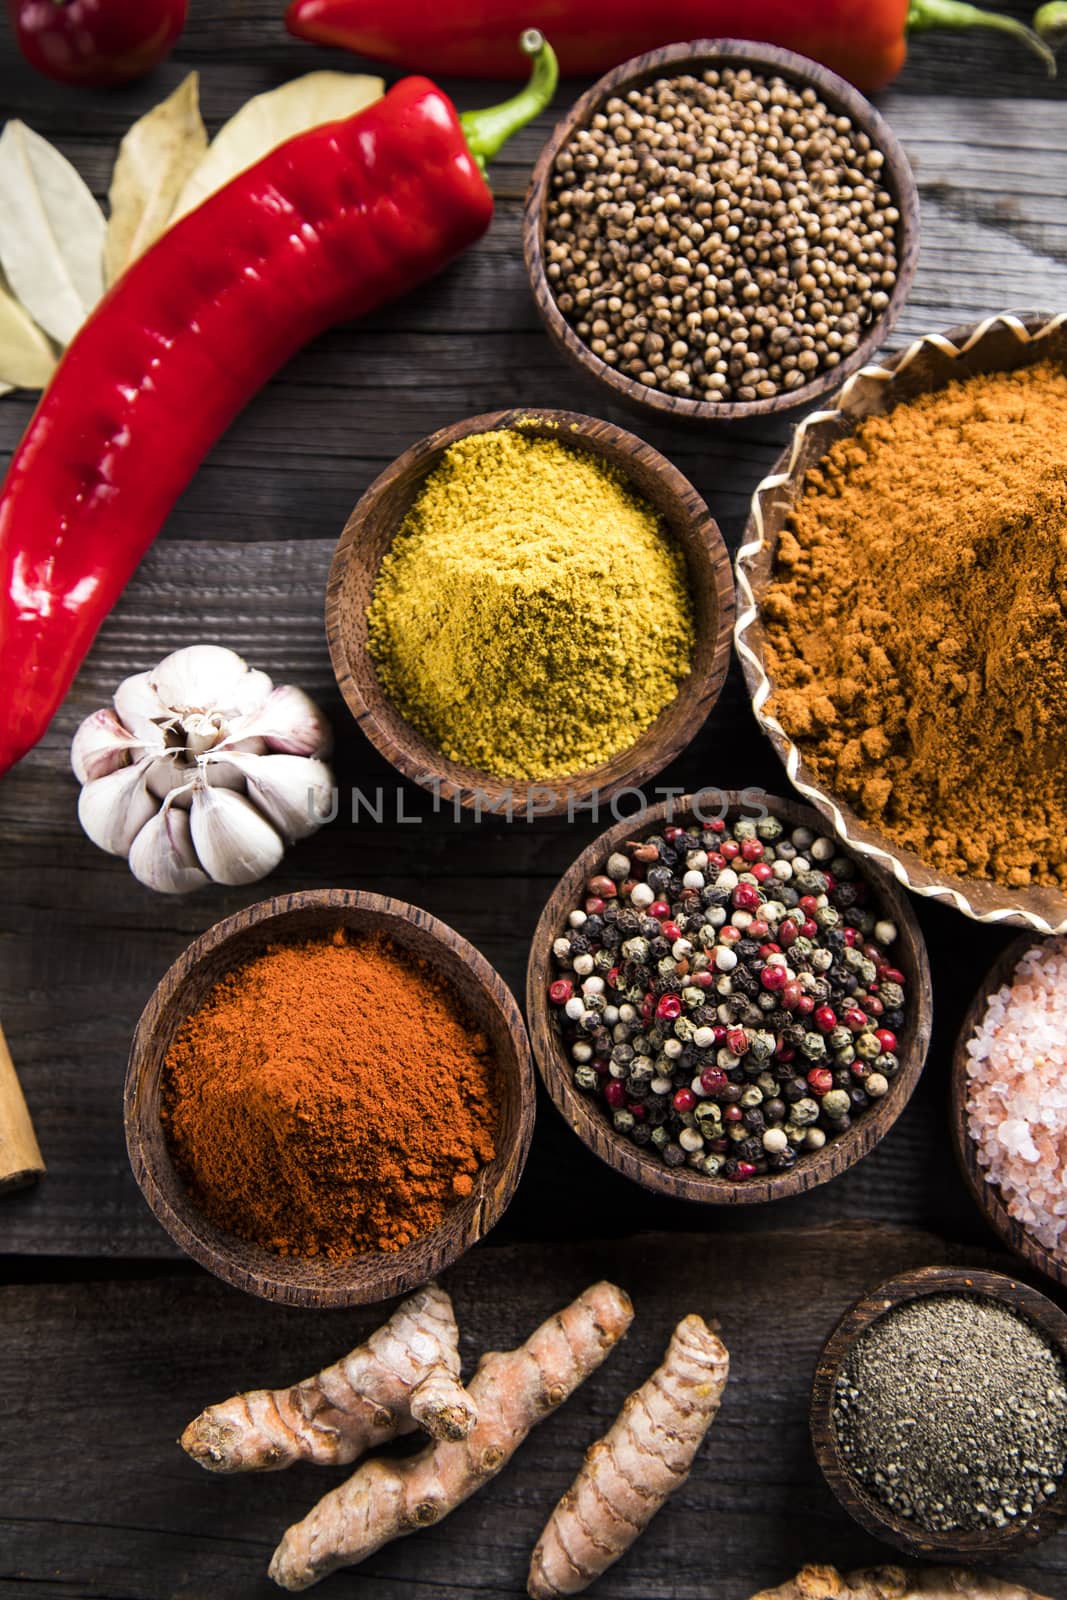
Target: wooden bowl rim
pixel 583 1115
pixel 903 1288
pixel 987 1195
pixel 1013 907
pixel 840 94
pixel 367 1278
pixel 412 755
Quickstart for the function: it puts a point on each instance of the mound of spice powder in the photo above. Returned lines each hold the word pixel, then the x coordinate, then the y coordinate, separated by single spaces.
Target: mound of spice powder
pixel 951 1411
pixel 330 1098
pixel 533 616
pixel 1017 1093
pixel 917 625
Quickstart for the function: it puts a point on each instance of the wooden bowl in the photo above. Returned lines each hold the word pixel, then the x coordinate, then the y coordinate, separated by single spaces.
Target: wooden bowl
pixel 368 535
pixel 360 1279
pixel 999 343
pixel 986 1544
pixel 644 1166
pixel 987 1195
pixel 695 57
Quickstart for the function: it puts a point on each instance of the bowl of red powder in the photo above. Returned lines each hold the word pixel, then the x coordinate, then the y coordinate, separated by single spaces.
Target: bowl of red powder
pixel 901 621
pixel 329 1098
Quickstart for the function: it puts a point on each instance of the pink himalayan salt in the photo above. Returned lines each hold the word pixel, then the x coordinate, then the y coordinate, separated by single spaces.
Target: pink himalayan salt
pixel 1017 1098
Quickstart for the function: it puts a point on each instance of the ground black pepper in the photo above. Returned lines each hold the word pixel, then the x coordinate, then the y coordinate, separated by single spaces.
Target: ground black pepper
pixel 952 1412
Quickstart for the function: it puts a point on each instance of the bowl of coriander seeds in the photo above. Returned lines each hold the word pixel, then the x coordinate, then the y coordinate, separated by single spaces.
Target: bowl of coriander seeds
pixel 724 1005
pixel 721 229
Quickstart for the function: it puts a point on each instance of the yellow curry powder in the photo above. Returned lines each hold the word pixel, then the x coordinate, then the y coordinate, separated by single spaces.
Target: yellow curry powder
pixel 533 616
pixel 917 625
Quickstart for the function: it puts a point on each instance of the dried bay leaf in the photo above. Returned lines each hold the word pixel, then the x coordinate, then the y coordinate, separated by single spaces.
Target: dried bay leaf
pixel 51 233
pixel 156 158
pixel 269 119
pixel 27 360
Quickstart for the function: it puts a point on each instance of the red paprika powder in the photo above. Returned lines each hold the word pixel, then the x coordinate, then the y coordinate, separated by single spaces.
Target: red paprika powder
pixel 330 1098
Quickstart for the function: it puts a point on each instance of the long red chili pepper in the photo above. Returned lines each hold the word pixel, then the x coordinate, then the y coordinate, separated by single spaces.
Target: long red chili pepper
pixel 328 226
pixel 864 40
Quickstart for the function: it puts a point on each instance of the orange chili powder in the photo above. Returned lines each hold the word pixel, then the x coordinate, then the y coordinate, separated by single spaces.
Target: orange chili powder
pixel 330 1098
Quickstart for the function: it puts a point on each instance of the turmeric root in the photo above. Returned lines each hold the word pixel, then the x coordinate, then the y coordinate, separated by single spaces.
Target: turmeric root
pixel 895 1583
pixel 368 1397
pixel 626 1476
pixel 512 1391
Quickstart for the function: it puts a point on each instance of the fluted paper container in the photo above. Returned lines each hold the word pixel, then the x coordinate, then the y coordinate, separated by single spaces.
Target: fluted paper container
pixel 1000 343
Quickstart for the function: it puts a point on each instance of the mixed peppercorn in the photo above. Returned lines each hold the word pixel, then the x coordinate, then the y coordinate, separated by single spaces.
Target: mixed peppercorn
pixel 727 991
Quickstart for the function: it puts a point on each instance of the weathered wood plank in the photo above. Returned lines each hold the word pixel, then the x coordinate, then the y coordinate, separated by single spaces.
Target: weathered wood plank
pixel 117 1510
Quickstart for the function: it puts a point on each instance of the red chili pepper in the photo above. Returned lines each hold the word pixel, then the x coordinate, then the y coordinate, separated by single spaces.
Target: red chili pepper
pixel 96 42
pixel 864 40
pixel 328 226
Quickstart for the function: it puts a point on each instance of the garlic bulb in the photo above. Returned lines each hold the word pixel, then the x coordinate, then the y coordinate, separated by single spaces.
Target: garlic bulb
pixel 203 771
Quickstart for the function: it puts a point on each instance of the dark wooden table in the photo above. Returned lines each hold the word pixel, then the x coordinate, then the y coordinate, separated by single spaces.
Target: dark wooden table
pixel 109 1341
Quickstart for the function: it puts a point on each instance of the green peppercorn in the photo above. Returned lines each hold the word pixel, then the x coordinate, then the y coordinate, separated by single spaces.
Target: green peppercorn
pixel 867 1047
pixel 813 1046
pixel 660 1137
pixel 624 1121
pixel 586 1077
pixel 837 1103
pixel 805 1112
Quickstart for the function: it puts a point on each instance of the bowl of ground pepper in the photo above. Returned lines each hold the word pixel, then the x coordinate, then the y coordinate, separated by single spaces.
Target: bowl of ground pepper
pixel 939 1414
pixel 902 626
pixel 720 230
pixel 723 1006
pixel 329 1098
pixel 528 608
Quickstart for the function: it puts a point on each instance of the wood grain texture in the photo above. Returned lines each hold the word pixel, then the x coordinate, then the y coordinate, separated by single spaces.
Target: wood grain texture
pixel 119 1511
pixel 368 536
pixel 586 1116
pixel 697 57
pixel 987 1195
pixel 967 351
pixel 967 1549
pixel 374 1275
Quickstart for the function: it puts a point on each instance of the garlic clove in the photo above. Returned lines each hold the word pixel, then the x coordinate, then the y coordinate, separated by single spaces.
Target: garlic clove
pixel 234 842
pixel 200 677
pixel 140 708
pixel 162 855
pixel 113 809
pixel 290 722
pixel 249 693
pixel 101 745
pixel 295 793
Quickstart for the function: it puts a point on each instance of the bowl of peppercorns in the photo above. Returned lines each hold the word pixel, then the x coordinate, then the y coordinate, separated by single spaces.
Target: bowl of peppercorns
pixel 723 1004
pixel 721 229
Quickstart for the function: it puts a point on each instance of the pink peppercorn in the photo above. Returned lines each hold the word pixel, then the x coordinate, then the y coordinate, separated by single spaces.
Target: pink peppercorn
pixel 893 975
pixel 787 932
pixel 746 897
pixel 602 886
pixel 888 1041
pixel 809 904
pixel 751 850
pixel 763 872
pixel 560 991
pixel 729 934
pixel 594 906
pixel 701 980
pixel 773 978
pixel 669 1007
pixel 737 1041
pixel 659 909
pixel 743 1171
pixel 671 930
pixel 732 1114
pixel 684 1100
pixel 615 1093
pixel 729 849
pixel 820 1081
pixel 758 929
pixel 790 996
pixel 809 928
pixel 717 825
pixel 713 1079
pixel 855 1020
pixel 638 1108
pixel 825 1018
pixel 806 1004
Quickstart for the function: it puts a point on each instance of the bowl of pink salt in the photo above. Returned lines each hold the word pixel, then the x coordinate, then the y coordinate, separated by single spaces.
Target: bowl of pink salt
pixel 1009 1091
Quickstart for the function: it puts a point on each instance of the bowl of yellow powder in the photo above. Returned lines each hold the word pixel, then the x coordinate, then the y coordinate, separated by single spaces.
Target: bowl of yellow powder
pixel 903 616
pixel 528 608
